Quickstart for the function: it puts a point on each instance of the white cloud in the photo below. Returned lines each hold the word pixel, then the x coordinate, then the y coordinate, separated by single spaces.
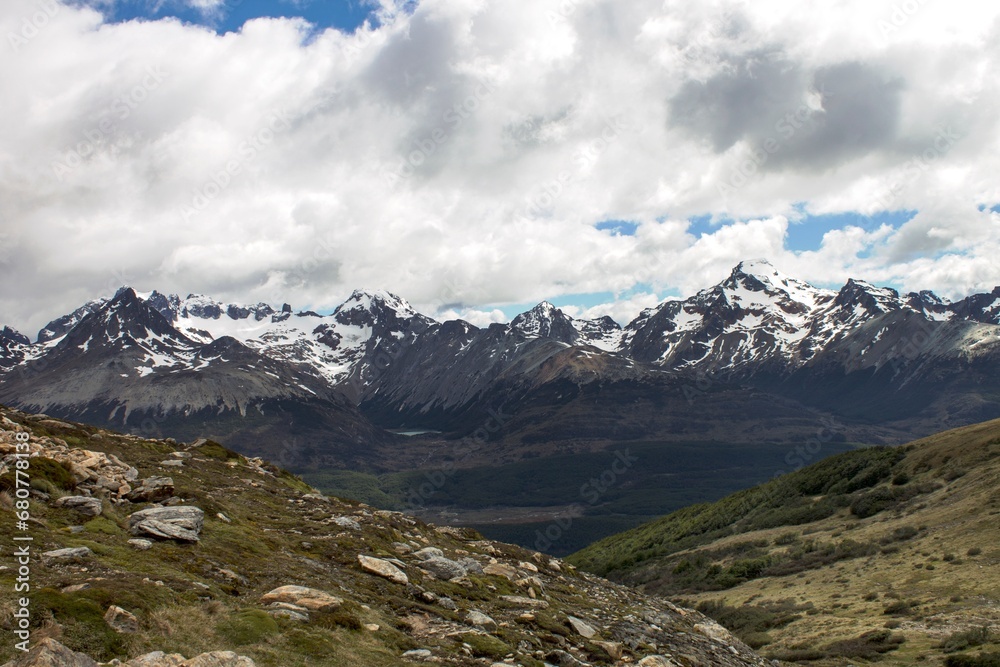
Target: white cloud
pixel 259 165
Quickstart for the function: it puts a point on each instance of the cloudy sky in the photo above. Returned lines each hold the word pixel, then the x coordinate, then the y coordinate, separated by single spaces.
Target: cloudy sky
pixel 475 156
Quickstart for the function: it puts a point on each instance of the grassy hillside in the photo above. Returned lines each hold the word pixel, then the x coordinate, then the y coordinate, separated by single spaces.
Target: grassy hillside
pixel 477 603
pixel 881 553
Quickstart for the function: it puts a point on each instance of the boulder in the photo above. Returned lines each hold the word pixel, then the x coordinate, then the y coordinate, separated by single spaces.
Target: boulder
pixel 443 568
pixel 500 570
pixel 180 523
pixel 50 653
pixel 68 555
pixel 383 568
pixel 581 627
pixel 657 661
pixel 471 565
pixel 140 544
pixel 614 650
pixel 156 659
pixel 480 620
pixel 83 504
pixel 418 654
pixel 428 552
pixel 716 632
pixel 346 522
pixel 152 490
pixel 218 659
pixel 523 601
pixel 300 596
pixel 121 621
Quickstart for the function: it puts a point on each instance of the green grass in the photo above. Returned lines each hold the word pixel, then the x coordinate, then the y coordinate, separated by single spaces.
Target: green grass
pixel 810 494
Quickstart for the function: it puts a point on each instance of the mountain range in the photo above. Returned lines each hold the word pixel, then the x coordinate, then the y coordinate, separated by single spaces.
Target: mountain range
pixel 761 361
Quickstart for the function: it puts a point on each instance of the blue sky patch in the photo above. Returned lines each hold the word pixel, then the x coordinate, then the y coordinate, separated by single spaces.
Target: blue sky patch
pixel 618 227
pixel 807 233
pixel 344 15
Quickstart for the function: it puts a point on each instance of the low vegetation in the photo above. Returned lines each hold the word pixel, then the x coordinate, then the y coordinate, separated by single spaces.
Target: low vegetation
pixel 866 556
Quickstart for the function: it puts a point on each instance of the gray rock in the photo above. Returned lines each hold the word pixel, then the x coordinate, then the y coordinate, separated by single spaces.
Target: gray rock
pixel 443 568
pixel 68 555
pixel 428 552
pixel 480 620
pixel 346 522
pixel 218 659
pixel 448 603
pixel 163 530
pixel 173 463
pixel 82 504
pixel 156 659
pixel 418 654
pixel 121 621
pixel 50 653
pixel 300 596
pixel 471 565
pixel 172 523
pixel 383 568
pixel 581 627
pixel 563 659
pixel 657 661
pixel 152 490
pixel 140 544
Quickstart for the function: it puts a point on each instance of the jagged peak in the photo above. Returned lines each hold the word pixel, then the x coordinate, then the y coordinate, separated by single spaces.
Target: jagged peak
pixel 13 335
pixel 756 266
pixel 763 271
pixel 369 298
pixel 544 309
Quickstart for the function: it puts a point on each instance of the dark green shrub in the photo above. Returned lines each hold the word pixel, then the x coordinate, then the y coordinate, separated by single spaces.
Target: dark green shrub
pixel 982 660
pixel 961 641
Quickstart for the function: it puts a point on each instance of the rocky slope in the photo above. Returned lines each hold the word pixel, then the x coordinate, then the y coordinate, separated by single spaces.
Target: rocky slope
pixel 884 553
pixel 141 546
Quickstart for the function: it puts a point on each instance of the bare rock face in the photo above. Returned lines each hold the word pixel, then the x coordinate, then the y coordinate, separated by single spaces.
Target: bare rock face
pixel 181 523
pixel 50 653
pixel 383 568
pixel 300 596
